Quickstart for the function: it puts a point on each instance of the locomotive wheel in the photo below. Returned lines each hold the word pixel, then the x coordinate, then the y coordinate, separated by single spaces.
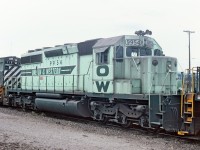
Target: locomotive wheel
pixel 105 120
pixel 144 121
pixel 127 125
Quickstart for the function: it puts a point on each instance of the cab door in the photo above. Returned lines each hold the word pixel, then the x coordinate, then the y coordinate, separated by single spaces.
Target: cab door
pixel 103 70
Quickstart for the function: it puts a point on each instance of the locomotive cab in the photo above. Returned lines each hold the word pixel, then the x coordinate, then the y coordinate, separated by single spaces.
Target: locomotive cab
pixel 133 77
pixel 132 65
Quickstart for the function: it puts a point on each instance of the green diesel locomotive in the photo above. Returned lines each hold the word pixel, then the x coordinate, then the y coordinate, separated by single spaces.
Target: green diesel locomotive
pixel 124 79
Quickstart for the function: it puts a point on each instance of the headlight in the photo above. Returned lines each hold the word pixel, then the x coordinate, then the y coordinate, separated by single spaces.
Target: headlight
pixel 155 62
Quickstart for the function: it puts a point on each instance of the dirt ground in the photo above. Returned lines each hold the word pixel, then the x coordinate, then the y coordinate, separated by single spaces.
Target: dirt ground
pixel 29 131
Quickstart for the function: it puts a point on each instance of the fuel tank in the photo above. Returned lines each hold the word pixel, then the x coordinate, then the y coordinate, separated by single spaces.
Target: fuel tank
pixel 63 106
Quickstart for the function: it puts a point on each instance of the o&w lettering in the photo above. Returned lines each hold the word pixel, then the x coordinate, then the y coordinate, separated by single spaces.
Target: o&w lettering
pixel 101 85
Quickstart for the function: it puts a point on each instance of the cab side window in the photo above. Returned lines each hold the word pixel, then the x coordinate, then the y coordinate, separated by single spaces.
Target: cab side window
pixel 102 57
pixel 130 50
pixel 119 53
pixel 158 52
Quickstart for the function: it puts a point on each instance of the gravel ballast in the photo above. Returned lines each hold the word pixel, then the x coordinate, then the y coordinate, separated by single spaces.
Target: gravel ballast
pixel 29 131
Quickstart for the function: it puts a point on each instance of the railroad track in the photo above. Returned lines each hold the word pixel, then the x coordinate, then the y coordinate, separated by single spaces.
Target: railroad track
pixel 144 131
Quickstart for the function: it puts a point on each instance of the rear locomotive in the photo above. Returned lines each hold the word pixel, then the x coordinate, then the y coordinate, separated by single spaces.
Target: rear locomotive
pixel 125 79
pixel 9 74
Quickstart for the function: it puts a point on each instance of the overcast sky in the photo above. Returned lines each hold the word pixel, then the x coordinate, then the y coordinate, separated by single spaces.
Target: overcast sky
pixel 32 24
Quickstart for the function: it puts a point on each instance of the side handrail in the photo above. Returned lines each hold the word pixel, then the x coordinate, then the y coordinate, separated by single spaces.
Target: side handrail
pixel 182 95
pixel 135 64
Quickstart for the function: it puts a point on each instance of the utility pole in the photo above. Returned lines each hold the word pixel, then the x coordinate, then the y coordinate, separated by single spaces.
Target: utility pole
pixel 189 87
pixel 189 32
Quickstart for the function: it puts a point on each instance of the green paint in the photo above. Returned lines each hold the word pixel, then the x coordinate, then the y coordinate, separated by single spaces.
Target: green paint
pixel 105 68
pixel 102 86
pixel 48 71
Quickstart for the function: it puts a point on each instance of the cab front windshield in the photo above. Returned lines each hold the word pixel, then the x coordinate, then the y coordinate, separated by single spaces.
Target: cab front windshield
pixel 141 51
pixel 137 51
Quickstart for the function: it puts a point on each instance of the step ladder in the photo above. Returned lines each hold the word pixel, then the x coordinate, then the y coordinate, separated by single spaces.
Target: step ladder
pixel 187 101
pixel 187 112
pixel 159 116
pixel 188 108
